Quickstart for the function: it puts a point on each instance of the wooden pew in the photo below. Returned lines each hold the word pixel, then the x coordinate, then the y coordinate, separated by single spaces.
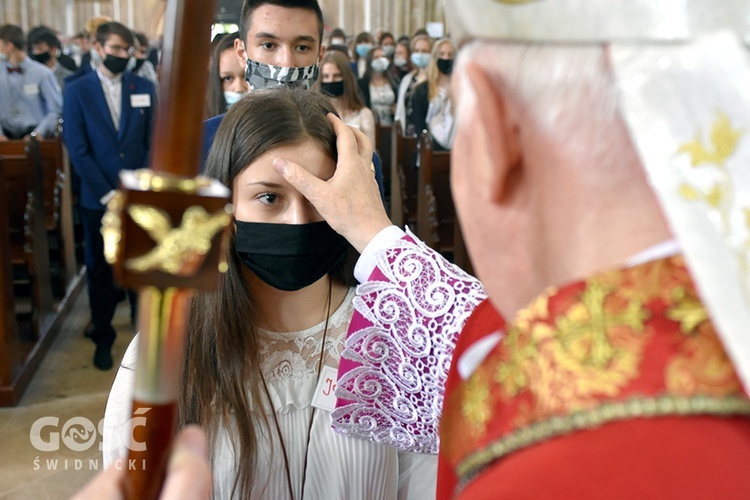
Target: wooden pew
pixel 51 157
pixel 437 224
pixel 383 149
pixel 403 178
pixel 29 251
pixel 23 239
pixel 11 355
pixel 58 207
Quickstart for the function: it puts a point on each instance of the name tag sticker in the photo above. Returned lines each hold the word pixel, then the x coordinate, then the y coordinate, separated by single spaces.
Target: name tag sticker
pixel 140 100
pixel 31 89
pixel 324 397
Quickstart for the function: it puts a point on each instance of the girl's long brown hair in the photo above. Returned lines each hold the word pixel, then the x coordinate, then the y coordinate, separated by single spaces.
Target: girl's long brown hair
pixel 221 381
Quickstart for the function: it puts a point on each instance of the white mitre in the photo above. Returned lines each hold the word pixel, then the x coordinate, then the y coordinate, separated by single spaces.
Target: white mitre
pixel 684 80
pixel 572 21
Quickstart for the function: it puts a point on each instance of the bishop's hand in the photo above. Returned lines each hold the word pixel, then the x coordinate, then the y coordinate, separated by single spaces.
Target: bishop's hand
pixel 350 200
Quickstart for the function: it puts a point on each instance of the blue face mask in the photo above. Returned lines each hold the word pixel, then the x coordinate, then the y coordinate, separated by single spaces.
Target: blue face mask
pixel 380 64
pixel 420 60
pixel 231 97
pixel 363 48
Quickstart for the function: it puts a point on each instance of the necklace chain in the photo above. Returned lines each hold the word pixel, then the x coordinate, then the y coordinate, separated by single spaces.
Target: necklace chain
pixel 312 413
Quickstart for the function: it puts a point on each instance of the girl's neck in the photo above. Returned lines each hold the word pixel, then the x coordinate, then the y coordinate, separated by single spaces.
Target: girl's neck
pixel 281 311
pixel 378 78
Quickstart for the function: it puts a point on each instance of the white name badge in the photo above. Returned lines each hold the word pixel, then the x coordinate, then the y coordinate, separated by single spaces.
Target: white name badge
pixel 140 100
pixel 31 89
pixel 324 397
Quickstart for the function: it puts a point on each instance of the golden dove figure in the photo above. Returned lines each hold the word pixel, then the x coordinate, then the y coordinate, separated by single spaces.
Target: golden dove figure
pixel 179 251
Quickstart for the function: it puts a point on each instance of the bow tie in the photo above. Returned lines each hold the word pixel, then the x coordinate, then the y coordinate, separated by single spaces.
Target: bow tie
pixel 17 69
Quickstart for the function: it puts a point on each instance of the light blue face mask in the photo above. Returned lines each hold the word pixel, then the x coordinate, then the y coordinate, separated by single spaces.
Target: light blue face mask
pixel 380 64
pixel 363 48
pixel 96 59
pixel 420 60
pixel 231 97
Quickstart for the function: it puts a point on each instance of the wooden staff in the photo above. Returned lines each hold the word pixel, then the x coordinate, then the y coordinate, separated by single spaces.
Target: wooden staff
pixel 165 234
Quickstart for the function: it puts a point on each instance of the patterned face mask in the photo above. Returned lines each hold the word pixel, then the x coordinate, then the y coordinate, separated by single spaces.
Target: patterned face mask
pixel 260 76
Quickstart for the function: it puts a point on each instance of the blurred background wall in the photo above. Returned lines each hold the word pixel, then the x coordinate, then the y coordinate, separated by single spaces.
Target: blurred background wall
pixel 68 16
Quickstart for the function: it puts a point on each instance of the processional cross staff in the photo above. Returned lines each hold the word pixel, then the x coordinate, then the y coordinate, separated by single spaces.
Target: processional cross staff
pixel 165 234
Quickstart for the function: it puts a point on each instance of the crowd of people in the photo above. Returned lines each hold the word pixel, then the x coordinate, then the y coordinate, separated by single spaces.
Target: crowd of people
pixel 367 82
pixel 375 81
pixel 581 362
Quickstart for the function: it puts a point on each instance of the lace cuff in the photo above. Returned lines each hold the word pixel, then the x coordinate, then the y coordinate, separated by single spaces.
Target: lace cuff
pixel 399 347
pixel 368 261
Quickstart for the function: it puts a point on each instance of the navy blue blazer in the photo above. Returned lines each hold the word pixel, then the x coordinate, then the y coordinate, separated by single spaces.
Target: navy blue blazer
pixel 97 151
pixel 211 125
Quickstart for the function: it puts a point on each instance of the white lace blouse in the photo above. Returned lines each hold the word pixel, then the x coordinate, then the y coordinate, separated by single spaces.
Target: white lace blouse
pixel 338 467
pixel 363 120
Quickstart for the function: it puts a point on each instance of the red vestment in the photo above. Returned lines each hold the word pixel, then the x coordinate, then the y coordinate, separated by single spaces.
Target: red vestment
pixel 616 387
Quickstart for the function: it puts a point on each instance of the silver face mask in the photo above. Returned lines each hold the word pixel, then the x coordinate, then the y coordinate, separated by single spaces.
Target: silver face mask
pixel 260 76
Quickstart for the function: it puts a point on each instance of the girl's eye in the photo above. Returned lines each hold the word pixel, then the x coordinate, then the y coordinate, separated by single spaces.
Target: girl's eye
pixel 268 198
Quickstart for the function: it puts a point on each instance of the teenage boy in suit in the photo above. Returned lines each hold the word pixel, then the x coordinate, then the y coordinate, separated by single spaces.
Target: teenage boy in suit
pixel 108 116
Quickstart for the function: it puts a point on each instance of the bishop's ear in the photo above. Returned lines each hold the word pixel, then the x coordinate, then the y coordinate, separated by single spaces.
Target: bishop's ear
pixel 488 120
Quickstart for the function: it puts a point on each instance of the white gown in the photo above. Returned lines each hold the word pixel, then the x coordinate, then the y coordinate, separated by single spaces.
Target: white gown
pixel 339 467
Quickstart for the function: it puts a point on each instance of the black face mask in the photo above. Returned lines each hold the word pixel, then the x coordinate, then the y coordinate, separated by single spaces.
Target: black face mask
pixel 42 57
pixel 333 89
pixel 445 66
pixel 289 256
pixel 115 64
pixel 138 64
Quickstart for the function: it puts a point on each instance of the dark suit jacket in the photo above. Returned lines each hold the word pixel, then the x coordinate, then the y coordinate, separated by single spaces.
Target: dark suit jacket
pixel 97 151
pixel 211 125
pixel 83 69
pixel 67 62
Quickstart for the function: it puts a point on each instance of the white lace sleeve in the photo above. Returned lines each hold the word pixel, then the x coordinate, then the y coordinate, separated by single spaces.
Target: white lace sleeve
pixel 399 346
